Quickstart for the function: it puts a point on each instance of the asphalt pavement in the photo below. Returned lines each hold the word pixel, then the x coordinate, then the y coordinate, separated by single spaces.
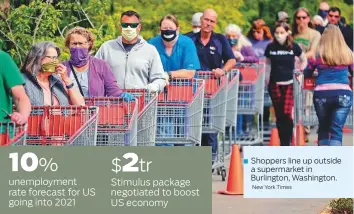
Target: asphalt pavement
pixel 224 204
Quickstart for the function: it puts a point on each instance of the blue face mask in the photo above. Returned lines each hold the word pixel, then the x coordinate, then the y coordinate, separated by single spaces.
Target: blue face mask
pixel 233 42
pixel 322 13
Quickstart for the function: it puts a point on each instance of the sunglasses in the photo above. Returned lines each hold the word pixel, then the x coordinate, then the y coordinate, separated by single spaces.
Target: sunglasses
pixel 333 16
pixel 301 17
pixel 132 25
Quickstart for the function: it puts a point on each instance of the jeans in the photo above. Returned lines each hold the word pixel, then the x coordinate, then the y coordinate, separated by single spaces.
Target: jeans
pixel 332 108
pixel 211 140
pixel 172 125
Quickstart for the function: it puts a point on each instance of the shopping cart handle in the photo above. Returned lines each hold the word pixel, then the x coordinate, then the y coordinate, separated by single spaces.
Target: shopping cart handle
pixel 165 90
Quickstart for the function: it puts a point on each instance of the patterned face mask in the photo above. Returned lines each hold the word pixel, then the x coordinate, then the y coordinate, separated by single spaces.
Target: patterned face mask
pixel 49 67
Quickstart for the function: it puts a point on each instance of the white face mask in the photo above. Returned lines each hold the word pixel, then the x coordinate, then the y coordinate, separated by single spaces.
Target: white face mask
pixel 281 38
pixel 129 33
pixel 196 30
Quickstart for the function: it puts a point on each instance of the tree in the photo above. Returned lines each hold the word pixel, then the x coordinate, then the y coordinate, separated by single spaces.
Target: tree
pixel 267 10
pixel 31 21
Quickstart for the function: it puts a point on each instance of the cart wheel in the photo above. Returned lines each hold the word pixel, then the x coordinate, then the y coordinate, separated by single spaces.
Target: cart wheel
pixel 218 171
pixel 223 175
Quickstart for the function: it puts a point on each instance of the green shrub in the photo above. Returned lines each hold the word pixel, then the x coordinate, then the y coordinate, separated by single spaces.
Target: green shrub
pixel 342 206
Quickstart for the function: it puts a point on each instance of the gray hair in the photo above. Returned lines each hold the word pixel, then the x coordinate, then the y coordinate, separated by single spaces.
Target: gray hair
pixel 32 63
pixel 232 27
pixel 242 41
pixel 319 18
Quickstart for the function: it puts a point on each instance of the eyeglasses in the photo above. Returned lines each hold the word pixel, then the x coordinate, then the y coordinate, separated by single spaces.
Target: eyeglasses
pixel 132 25
pixel 301 17
pixel 80 44
pixel 333 16
pixel 52 57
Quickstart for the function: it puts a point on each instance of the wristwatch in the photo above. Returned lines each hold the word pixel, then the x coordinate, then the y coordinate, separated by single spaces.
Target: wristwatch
pixel 169 75
pixel 70 86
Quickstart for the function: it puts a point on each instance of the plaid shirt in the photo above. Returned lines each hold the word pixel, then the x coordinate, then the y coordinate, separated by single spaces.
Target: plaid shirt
pixel 283 97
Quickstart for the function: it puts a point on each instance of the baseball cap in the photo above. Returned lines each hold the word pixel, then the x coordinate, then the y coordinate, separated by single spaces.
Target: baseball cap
pixel 196 19
pixel 282 15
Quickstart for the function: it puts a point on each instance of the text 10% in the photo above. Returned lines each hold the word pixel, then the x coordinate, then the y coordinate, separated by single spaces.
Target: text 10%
pixel 29 162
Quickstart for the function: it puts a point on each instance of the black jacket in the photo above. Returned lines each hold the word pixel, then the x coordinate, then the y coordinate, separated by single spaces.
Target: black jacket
pixel 347 32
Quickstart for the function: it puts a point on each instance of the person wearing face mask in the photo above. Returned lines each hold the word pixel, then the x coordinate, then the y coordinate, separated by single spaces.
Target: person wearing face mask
pixel 195 24
pixel 243 52
pixel 317 21
pixel 135 63
pixel 241 46
pixel 92 76
pixel 280 64
pixel 179 59
pixel 46 80
pixel 322 11
pixel 177 52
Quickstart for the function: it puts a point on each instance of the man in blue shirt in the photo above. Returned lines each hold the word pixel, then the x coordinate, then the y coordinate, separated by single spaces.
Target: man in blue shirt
pixel 215 54
pixel 177 52
pixel 179 59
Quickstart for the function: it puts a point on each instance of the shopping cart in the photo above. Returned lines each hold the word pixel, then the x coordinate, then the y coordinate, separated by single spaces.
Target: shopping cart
pixel 214 114
pixel 146 132
pixel 62 126
pixel 117 121
pixel 12 134
pixel 180 111
pixel 231 109
pixel 305 114
pixel 251 102
pixel 215 98
pixel 267 106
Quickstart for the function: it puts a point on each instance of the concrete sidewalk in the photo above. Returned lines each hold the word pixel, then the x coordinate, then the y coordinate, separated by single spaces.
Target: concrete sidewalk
pixel 223 204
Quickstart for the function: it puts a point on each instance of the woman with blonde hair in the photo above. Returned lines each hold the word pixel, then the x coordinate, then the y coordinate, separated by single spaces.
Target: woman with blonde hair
pixel 333 96
pixel 241 46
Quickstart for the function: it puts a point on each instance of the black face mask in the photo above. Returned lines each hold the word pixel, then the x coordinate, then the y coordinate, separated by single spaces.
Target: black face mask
pixel 168 35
